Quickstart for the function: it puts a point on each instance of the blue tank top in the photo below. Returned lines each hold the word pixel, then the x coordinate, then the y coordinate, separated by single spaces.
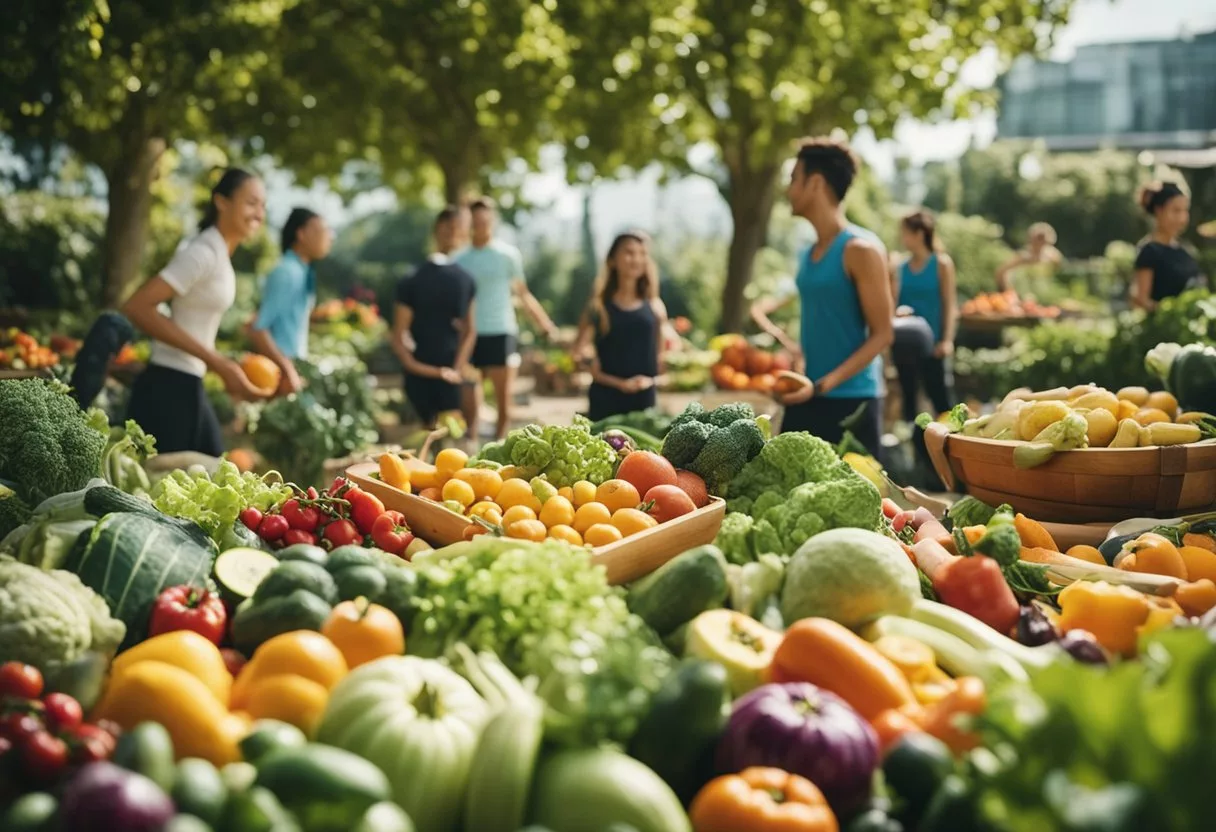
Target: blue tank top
pixel 921 290
pixel 833 326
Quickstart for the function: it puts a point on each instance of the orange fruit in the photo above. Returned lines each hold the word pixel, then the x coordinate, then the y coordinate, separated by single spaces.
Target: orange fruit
pixel 631 521
pixel 566 533
pixel 517 513
pixel 262 373
pixel 557 511
pixel 602 534
pixel 591 514
pixel 288 698
pixel 486 483
pixel 584 492
pixel 646 469
pixel 533 530
pixel 364 632
pixel 517 492
pixel 618 494
pixel 459 491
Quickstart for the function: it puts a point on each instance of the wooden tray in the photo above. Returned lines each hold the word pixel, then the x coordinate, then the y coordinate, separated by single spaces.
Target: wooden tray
pixel 1091 485
pixel 625 561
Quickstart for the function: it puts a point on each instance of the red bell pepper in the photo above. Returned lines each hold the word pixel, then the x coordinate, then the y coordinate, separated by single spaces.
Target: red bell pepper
pixel 189 608
pixel 973 584
pixel 391 533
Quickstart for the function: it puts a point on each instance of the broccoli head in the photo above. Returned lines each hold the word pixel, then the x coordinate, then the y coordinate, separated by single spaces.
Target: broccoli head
pixel 783 464
pixel 694 412
pixel 726 452
pixel 727 414
pixel 735 538
pixel 48 446
pixel 685 441
pixel 14 511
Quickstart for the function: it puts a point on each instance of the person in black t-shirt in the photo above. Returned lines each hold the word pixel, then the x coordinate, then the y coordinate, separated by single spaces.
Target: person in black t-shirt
pixel 1164 266
pixel 433 330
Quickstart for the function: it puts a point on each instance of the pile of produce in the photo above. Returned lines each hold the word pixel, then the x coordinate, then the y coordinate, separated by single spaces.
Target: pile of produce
pixel 21 351
pixel 745 366
pixel 1006 305
pixel 715 444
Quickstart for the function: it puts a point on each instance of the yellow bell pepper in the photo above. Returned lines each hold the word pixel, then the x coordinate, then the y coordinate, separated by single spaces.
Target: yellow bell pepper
pixel 187 650
pixel 157 691
pixel 289 679
pixel 1112 613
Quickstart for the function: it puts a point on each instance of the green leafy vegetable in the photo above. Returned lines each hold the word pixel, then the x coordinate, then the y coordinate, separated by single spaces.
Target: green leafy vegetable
pixel 214 502
pixel 970 511
pixel 127 450
pixel 564 455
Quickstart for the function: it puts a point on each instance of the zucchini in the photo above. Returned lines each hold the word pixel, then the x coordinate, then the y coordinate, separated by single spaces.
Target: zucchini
pixel 147 749
pixel 199 790
pixel 292 575
pixel 680 590
pixel 239 572
pixel 325 788
pixel 353 581
pixel 269 735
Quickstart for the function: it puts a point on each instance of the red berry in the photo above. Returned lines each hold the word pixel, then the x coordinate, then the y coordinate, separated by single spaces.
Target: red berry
pixel 21 680
pixel 62 711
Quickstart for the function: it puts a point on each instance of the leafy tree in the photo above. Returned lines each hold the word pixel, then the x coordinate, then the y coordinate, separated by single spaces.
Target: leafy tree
pixel 118 83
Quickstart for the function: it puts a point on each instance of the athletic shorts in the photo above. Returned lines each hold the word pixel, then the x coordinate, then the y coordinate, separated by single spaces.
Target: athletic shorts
pixel 492 351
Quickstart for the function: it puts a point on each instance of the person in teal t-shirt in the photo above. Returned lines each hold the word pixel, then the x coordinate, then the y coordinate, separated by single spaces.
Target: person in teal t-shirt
pixel 498 273
pixel 926 316
pixel 846 305
pixel 280 331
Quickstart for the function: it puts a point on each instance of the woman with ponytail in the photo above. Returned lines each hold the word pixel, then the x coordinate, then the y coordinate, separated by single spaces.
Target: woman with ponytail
pixel 926 316
pixel 1164 267
pixel 199 286
pixel 626 319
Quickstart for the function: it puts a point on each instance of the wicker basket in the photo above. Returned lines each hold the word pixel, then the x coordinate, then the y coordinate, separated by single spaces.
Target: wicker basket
pixel 1091 485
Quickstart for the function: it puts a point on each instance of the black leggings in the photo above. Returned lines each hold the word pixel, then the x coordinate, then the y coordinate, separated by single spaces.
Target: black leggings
pixel 173 407
pixel 821 416
pixel 934 375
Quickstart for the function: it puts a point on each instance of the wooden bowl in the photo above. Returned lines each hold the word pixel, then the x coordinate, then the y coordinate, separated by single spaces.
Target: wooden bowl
pixel 625 561
pixel 1091 485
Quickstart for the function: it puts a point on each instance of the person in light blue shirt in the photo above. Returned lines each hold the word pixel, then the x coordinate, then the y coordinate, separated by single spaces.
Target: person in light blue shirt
pixel 498 274
pixel 289 292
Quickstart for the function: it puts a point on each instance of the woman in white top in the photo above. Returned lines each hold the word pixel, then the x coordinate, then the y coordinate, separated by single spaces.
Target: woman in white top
pixel 199 286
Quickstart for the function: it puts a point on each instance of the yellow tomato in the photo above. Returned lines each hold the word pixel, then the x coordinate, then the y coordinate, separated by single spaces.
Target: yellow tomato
pixel 591 514
pixel 602 534
pixel 515 514
pixel 451 460
pixel 565 533
pixel 617 494
pixel 485 510
pixel 583 492
pixel 631 521
pixel 517 492
pixel 459 491
pixel 533 530
pixel 486 484
pixel 558 511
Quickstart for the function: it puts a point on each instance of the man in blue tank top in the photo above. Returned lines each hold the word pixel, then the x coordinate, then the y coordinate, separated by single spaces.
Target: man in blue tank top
pixel 846 304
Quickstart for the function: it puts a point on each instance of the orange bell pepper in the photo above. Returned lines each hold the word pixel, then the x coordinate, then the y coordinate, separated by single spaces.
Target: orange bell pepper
pixel 1033 535
pixel 761 799
pixel 1196 597
pixel 1200 562
pixel 1112 613
pixel 1153 554
pixel 946 719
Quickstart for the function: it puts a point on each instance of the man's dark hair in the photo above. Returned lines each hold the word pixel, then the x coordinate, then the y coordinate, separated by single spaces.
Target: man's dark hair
pixel 832 159
pixel 449 213
pixel 296 220
pixel 482 203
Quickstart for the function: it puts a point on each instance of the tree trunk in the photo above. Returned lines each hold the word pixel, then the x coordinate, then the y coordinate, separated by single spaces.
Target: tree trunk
pixel 752 192
pixel 457 181
pixel 129 182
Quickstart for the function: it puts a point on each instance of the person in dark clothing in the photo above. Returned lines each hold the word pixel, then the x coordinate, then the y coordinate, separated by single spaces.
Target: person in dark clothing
pixel 433 329
pixel 1164 266
pixel 923 285
pixel 626 319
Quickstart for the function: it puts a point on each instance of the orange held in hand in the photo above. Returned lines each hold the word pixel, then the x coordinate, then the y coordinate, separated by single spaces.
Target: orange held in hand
pixel 262 373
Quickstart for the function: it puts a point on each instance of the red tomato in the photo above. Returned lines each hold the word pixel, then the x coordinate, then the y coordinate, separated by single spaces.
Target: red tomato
pixel 295 536
pixel 62 711
pixel 16 726
pixel 189 608
pixel 110 727
pixel 273 527
pixel 90 743
pixel 251 517
pixel 21 680
pixel 233 660
pixel 43 756
pixel 311 493
pixel 364 509
pixel 644 470
pixel 391 533
pixel 339 485
pixel 342 533
pixel 668 502
pixel 301 517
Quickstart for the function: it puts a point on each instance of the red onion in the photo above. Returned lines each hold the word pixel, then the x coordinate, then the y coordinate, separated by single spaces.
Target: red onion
pixel 803 729
pixel 103 797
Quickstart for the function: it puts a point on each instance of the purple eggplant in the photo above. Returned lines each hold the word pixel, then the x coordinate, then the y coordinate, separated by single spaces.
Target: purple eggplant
pixel 805 730
pixel 1034 627
pixel 1082 646
pixel 103 797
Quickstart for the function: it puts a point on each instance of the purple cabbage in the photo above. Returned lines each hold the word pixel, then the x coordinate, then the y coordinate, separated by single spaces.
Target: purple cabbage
pixel 103 797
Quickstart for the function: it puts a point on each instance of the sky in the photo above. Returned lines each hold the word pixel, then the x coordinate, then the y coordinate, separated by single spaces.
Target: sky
pixel 642 203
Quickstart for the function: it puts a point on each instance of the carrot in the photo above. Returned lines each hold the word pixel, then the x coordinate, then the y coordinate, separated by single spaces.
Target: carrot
pixel 1033 535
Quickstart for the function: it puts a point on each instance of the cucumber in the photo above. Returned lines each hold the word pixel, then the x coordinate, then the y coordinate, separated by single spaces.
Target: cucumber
pixel 257 810
pixel 33 812
pixel 293 575
pixel 199 790
pixel 325 788
pixel 353 581
pixel 147 749
pixel 257 622
pixel 239 572
pixel 680 590
pixel 269 735
pixel 305 552
pixel 351 555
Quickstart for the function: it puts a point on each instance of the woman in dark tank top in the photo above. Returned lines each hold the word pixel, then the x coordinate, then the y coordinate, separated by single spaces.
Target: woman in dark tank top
pixel 625 317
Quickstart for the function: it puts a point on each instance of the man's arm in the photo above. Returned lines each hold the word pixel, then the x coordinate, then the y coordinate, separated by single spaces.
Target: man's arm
pixel 535 311
pixel 760 312
pixel 866 264
pixel 264 343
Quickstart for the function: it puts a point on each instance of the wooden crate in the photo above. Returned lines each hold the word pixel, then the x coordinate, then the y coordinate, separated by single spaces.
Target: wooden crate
pixel 625 561
pixel 1090 485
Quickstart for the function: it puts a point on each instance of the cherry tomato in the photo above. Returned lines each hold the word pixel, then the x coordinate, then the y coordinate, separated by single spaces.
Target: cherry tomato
pixel 273 527
pixel 6 745
pixel 301 517
pixel 43 756
pixel 364 509
pixel 19 725
pixel 295 536
pixel 339 485
pixel 20 680
pixel 62 711
pixel 251 517
pixel 342 533
pixel 89 743
pixel 391 533
pixel 311 493
pixel 110 727
pixel 233 660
